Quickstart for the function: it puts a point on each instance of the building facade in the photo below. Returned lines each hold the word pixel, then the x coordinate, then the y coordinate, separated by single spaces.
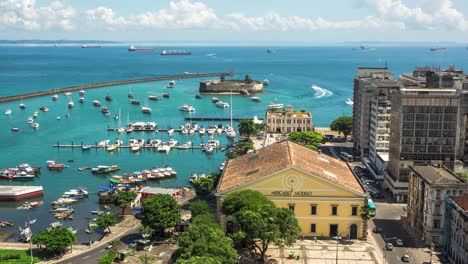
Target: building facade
pixel 323 192
pixel 288 121
pixel 364 98
pixel 428 187
pixel 456 229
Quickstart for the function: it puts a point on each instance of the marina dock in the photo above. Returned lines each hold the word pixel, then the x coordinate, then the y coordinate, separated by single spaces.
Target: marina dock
pixel 129 147
pixel 217 118
pixel 107 84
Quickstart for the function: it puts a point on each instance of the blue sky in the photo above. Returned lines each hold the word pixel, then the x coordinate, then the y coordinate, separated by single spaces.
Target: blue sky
pixel 254 21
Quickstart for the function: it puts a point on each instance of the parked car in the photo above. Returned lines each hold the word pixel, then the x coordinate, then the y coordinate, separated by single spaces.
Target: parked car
pixel 427 262
pixel 399 242
pixel 108 246
pixel 405 258
pixel 389 246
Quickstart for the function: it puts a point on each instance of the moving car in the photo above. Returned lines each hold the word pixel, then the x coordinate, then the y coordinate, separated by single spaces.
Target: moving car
pixel 399 242
pixel 405 258
pixel 389 246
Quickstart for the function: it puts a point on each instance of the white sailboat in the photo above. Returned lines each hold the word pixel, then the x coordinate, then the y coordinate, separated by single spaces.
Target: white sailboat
pixel 146 109
pixel 230 132
pixel 120 129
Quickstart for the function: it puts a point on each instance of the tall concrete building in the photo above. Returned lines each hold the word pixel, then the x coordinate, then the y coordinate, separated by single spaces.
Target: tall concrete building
pixel 372 86
pixel 427 124
pixel 373 91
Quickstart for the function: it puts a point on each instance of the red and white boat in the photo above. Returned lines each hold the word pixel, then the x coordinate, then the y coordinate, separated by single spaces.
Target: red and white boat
pixel 8 193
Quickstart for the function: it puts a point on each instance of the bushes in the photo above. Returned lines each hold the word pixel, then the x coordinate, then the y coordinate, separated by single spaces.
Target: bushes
pixel 10 256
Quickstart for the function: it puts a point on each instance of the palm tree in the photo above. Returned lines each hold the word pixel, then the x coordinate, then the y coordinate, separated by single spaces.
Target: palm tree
pixel 366 216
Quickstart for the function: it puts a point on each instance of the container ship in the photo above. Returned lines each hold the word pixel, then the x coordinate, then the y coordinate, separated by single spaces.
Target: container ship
pixel 438 49
pixel 90 46
pixel 12 193
pixel 133 48
pixel 175 52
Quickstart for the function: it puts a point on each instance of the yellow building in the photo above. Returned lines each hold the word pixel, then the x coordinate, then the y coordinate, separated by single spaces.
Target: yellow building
pixel 288 121
pixel 323 192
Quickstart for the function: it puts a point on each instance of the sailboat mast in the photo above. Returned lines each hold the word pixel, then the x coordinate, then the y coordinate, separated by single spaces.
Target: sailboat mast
pixel 231 108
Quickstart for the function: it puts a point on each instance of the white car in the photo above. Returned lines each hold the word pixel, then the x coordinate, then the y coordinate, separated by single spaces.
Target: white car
pixel 405 258
pixel 399 242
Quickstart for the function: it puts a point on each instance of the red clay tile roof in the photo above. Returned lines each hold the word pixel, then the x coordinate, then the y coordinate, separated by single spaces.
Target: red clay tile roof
pixel 285 154
pixel 461 201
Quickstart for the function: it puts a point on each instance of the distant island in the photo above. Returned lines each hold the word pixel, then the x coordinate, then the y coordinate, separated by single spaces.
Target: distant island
pixel 52 42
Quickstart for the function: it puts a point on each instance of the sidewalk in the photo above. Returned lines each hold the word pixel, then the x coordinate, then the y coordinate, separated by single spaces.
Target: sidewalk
pixel 128 224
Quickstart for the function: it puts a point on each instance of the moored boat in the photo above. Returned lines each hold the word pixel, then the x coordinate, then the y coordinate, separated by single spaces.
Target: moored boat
pixel 96 103
pixel 255 99
pixel 186 108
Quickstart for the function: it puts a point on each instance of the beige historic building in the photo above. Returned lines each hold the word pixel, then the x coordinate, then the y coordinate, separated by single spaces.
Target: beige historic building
pixel 322 191
pixel 456 229
pixel 288 120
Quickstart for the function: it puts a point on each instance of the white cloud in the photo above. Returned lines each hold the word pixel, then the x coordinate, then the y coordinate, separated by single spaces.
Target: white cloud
pixel 436 14
pixel 105 16
pixel 23 14
pixel 193 14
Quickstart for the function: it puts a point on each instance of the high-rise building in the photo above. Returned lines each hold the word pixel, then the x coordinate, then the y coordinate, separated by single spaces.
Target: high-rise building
pixel 427 124
pixel 373 91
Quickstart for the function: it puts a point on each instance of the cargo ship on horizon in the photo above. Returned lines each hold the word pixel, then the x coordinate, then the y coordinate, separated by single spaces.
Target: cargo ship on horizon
pixel 175 52
pixel 438 49
pixel 90 46
pixel 133 48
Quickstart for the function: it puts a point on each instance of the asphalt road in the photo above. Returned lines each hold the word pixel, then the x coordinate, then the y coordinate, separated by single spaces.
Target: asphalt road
pixel 94 254
pixel 388 219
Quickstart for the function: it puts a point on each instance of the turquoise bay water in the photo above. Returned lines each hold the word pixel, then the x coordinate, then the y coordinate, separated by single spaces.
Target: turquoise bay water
pixel 291 71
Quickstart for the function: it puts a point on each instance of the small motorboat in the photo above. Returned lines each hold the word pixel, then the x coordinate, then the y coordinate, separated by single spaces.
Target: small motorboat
pixel 15 129
pixel 171 84
pixel 349 101
pixel 82 99
pixel 8 112
pixel 198 96
pixel 222 104
pixel 153 98
pixel 35 125
pixel 82 92
pixel 108 98
pixel 166 95
pixel 96 103
pixel 85 147
pixel 134 101
pixel 215 99
pixel 35 114
pixel 67 94
pixel 84 168
pixel 55 97
pixel 30 120
pixel 44 108
pixel 266 82
pixel 71 104
pixel 255 99
pixel 22 106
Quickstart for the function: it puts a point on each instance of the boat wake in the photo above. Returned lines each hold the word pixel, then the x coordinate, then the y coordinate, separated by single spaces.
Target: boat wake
pixel 321 92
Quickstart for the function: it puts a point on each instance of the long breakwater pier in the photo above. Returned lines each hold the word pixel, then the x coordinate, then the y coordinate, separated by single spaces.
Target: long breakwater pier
pixel 113 83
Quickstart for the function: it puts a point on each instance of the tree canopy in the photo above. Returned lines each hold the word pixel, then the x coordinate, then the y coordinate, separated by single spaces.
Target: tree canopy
pixel 310 139
pixel 343 124
pixel 161 211
pixel 106 221
pixel 247 127
pixel 203 186
pixel 204 240
pixel 259 221
pixel 199 207
pixel 55 240
pixel 246 199
pixel 122 199
pixel 366 215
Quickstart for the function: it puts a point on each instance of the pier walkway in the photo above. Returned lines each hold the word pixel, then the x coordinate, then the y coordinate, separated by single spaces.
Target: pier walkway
pixel 113 83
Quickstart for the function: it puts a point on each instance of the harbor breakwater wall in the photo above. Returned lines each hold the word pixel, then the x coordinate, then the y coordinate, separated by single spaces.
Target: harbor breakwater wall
pixel 107 84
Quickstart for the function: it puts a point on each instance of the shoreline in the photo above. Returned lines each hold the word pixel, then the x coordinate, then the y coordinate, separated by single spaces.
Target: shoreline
pixel 107 84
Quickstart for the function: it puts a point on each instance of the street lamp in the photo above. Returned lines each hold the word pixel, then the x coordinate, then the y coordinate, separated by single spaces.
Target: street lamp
pixel 338 238
pixel 145 241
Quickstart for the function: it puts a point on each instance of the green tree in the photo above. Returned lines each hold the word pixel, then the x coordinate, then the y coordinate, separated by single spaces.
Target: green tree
pixel 55 240
pixel 199 207
pixel 232 154
pixel 161 211
pixel 108 258
pixel 244 146
pixel 259 221
pixel 122 199
pixel 203 186
pixel 246 199
pixel 205 239
pixel 310 139
pixel 366 215
pixel 247 127
pixel 199 260
pixel 106 221
pixel 343 124
pixel 268 225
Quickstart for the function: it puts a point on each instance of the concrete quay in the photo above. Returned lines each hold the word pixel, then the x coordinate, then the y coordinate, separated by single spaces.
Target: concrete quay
pixel 106 84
